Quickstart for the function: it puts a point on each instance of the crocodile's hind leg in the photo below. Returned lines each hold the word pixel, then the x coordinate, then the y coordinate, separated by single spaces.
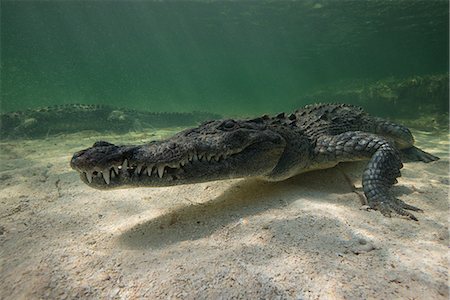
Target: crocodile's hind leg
pixel 381 171
pixel 403 139
pixel 416 154
pixel 398 134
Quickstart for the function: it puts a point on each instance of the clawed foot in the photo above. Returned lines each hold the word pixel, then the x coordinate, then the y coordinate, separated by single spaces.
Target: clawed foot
pixel 390 205
pixel 416 154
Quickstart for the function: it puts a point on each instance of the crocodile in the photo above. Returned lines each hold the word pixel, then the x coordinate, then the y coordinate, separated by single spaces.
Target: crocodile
pixel 66 118
pixel 317 136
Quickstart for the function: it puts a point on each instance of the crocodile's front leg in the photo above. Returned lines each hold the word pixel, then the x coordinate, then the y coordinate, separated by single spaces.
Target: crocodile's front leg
pixel 381 172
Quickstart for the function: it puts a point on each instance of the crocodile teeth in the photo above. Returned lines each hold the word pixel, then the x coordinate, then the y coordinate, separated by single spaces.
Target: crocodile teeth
pixel 116 169
pixel 89 176
pixel 138 170
pixel 217 158
pixel 125 164
pixel 113 174
pixel 106 176
pixel 161 171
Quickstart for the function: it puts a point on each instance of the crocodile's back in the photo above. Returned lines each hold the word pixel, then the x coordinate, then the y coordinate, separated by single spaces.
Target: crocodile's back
pixel 331 119
pixel 319 120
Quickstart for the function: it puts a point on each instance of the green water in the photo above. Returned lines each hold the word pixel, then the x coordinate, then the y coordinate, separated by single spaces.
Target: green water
pixel 231 57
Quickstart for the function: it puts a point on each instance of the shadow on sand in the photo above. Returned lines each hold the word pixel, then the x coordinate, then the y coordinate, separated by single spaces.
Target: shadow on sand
pixel 245 198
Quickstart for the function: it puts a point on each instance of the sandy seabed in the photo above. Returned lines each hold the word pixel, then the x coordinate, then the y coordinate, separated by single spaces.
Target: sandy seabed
pixel 303 238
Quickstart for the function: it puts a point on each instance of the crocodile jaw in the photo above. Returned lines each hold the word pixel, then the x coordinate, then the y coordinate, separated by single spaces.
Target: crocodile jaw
pixel 167 163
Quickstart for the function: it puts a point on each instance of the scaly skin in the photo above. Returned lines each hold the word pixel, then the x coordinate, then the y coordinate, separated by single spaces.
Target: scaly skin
pixel 271 148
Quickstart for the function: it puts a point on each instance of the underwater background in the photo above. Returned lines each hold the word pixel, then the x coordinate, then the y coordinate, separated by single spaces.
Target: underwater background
pixel 227 57
pixel 130 72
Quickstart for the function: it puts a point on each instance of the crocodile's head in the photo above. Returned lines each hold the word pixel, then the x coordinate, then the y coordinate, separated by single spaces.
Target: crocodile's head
pixel 213 151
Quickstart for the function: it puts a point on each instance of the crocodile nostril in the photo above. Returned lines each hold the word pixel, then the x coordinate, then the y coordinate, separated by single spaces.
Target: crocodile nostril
pixel 102 144
pixel 78 154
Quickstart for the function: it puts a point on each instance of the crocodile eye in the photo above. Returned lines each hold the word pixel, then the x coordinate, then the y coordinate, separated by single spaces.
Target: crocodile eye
pixel 228 125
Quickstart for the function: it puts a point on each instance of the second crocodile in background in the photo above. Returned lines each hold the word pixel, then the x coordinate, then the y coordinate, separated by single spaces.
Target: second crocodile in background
pixel 69 118
pixel 271 148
